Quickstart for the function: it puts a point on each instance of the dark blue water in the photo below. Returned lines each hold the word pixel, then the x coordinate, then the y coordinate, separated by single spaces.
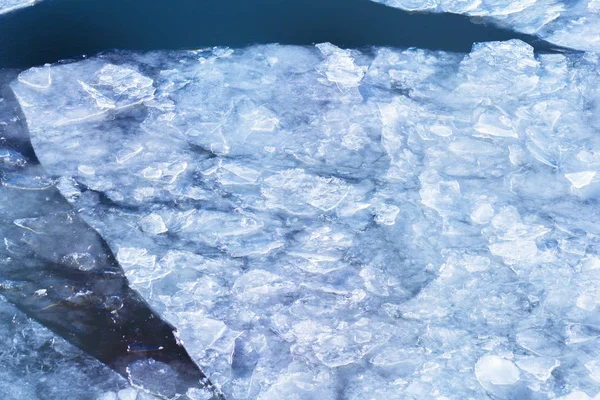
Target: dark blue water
pixel 59 29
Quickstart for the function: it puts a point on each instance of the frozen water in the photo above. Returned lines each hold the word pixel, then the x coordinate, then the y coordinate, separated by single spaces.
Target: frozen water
pixel 322 223
pixel 569 23
pixel 38 365
pixel 11 5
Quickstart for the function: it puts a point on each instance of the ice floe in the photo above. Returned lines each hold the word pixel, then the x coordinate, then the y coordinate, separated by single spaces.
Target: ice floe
pixel 335 224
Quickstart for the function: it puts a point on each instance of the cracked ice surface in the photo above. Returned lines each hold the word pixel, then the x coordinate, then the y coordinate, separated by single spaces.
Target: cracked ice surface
pixel 568 23
pixel 11 5
pixel 322 223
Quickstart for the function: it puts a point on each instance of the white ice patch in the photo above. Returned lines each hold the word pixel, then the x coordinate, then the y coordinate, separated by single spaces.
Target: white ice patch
pixel 496 370
pixel 580 179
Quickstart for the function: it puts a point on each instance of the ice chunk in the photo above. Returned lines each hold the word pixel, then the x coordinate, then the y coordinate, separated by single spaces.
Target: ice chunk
pixel 539 367
pixel 153 224
pixel 12 158
pixel 587 302
pixel 594 368
pixel 296 382
pixel 86 170
pixel 442 196
pixel 482 214
pixel 580 179
pixel 514 252
pixel 257 286
pixel 407 359
pixel 475 263
pixel 339 66
pixel 139 266
pixel 322 248
pixel 386 214
pixel 540 343
pixel 300 193
pixel 496 370
pixel 127 394
pixel 109 88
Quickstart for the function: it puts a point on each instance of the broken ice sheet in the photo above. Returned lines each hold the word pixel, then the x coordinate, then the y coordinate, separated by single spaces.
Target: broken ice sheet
pixel 574 24
pixel 329 223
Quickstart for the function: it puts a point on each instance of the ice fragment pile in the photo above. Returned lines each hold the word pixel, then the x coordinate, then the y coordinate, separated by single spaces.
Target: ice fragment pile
pixel 322 223
pixel 569 23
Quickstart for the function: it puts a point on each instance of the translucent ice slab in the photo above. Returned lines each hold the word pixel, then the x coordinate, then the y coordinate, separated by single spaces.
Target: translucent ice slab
pixel 322 223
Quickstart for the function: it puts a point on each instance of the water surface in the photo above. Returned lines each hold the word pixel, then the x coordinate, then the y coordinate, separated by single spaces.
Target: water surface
pixel 60 29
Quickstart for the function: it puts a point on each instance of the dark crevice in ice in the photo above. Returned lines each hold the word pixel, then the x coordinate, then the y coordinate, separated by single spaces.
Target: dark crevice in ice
pixel 62 29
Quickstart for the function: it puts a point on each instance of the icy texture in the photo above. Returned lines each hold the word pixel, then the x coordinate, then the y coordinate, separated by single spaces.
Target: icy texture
pixel 322 223
pixel 570 23
pixel 11 5
pixel 36 364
